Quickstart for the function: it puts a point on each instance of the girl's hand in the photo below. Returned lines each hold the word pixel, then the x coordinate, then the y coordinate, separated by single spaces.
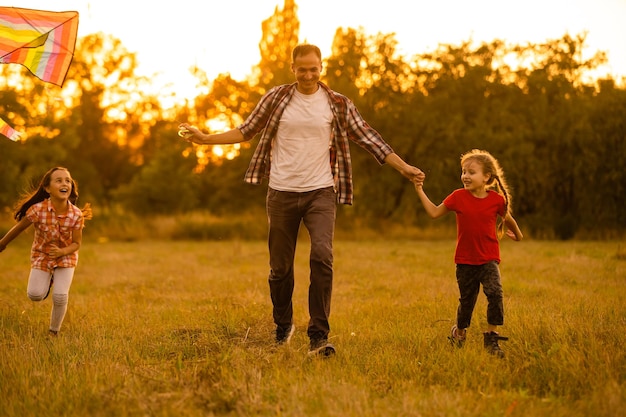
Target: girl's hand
pixel 511 234
pixel 418 182
pixel 56 252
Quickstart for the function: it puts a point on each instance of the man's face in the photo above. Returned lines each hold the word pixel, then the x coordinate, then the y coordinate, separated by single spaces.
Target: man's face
pixel 307 69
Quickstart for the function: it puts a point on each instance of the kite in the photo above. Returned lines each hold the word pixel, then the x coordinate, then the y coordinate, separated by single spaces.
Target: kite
pixel 42 41
pixel 8 131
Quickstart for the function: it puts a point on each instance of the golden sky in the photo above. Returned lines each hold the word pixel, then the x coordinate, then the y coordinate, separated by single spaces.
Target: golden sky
pixel 223 36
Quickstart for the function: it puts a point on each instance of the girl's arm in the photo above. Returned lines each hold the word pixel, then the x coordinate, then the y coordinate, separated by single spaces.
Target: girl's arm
pixel 14 232
pixel 77 238
pixel 513 231
pixel 430 207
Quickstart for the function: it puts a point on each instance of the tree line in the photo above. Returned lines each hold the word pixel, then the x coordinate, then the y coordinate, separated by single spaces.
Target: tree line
pixel 559 136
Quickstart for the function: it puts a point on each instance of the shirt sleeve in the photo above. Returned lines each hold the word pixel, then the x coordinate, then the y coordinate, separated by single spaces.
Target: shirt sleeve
pixel 32 214
pixel 451 201
pixel 79 221
pixel 257 120
pixel 360 132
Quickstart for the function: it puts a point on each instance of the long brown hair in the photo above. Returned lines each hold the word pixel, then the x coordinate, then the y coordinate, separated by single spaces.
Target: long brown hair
pixel 40 194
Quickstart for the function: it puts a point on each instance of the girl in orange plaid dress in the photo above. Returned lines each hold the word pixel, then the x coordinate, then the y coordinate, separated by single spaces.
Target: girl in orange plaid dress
pixel 58 227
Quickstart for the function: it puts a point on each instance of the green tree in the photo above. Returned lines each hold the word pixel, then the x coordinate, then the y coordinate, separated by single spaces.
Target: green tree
pixel 602 160
pixel 280 36
pixel 113 115
pixel 228 102
pixel 369 71
pixel 165 184
pixel 34 108
pixel 556 105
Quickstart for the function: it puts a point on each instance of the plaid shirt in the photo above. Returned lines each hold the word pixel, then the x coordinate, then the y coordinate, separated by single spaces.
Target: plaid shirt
pixel 52 228
pixel 347 124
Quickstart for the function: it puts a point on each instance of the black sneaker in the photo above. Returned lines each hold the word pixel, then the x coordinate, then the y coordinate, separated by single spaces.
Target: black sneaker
pixel 321 347
pixel 491 343
pixel 283 335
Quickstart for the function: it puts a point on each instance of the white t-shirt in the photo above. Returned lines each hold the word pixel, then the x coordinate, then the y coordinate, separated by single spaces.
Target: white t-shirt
pixel 300 153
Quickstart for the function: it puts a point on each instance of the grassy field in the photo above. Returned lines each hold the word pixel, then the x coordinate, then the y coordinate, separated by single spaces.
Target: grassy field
pixel 161 328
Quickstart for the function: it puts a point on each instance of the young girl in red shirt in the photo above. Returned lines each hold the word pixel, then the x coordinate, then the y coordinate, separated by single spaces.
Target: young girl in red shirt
pixel 58 235
pixel 483 199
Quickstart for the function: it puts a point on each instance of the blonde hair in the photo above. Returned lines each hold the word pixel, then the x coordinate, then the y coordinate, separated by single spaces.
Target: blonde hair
pixel 496 181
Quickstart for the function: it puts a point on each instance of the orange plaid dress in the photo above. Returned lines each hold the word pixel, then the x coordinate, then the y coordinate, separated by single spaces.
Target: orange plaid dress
pixel 51 228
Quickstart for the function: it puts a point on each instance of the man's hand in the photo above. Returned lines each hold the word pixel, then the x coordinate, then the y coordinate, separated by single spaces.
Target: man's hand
pixel 414 174
pixel 189 133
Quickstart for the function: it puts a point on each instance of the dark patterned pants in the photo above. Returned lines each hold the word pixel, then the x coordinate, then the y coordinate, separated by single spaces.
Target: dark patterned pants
pixel 469 278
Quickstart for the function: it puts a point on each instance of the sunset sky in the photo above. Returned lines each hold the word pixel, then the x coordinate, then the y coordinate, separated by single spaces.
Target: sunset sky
pixel 223 36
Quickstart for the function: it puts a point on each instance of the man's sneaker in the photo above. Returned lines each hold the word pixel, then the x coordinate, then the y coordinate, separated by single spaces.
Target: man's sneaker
pixel 321 347
pixel 283 335
pixel 491 343
pixel 455 339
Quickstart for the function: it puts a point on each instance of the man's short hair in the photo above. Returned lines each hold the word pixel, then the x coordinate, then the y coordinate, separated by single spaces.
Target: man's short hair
pixel 305 49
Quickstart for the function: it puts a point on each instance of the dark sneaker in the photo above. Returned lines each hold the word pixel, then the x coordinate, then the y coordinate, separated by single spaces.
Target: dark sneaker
pixel 455 339
pixel 321 347
pixel 491 343
pixel 283 335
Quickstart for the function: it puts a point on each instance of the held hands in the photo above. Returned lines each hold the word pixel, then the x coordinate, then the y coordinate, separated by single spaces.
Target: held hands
pixel 418 178
pixel 414 174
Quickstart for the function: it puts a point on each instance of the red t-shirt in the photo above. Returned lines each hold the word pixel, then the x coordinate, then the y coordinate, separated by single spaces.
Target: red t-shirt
pixel 477 242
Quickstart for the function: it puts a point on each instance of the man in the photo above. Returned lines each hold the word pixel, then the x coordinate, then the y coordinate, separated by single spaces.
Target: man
pixel 304 151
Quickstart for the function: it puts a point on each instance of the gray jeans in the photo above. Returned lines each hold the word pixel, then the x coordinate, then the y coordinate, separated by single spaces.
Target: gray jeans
pixel 469 278
pixel 317 211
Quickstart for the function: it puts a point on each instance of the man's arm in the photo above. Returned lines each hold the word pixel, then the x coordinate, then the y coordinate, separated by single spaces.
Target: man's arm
pixel 412 173
pixel 194 135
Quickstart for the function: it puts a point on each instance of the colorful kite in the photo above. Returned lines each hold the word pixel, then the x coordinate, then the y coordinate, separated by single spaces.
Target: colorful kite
pixel 42 41
pixel 8 131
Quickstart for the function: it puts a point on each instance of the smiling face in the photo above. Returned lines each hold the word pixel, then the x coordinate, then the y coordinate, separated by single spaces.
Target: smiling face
pixel 60 185
pixel 473 177
pixel 307 69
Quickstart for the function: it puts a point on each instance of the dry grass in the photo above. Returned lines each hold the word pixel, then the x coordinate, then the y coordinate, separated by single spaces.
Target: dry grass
pixel 164 328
